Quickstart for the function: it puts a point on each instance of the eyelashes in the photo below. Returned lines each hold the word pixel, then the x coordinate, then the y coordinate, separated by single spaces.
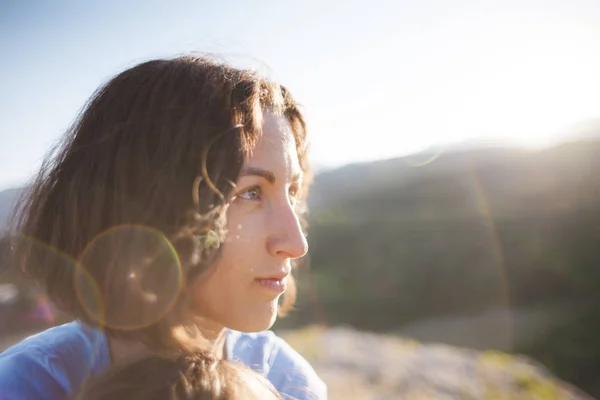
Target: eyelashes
pixel 255 193
pixel 251 194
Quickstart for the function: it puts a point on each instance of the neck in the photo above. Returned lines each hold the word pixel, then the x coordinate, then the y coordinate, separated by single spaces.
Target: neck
pixel 215 336
pixel 219 344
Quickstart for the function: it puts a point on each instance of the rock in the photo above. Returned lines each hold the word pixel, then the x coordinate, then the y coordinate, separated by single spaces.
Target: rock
pixel 360 365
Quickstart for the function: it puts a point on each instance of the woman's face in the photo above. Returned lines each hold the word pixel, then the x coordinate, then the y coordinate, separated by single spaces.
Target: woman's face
pixel 242 291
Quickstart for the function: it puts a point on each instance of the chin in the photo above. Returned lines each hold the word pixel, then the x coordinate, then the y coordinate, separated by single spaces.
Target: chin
pixel 256 320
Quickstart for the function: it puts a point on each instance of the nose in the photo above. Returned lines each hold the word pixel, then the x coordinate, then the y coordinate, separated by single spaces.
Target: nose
pixel 287 239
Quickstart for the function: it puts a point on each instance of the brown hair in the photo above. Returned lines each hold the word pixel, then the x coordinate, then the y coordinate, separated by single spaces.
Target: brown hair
pixel 199 376
pixel 135 194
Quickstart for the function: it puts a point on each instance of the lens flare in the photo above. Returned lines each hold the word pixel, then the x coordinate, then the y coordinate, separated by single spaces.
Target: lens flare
pixel 45 254
pixel 484 210
pixel 422 159
pixel 136 273
pixel 89 295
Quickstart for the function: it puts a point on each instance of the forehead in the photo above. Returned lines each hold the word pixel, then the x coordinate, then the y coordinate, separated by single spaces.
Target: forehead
pixel 276 148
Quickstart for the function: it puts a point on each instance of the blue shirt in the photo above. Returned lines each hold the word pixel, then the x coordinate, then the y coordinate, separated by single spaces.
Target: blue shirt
pixel 51 364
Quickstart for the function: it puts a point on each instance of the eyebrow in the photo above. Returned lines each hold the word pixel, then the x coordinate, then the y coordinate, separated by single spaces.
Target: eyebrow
pixel 266 174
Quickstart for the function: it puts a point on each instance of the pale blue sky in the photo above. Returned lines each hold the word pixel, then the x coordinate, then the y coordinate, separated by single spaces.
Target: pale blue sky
pixel 377 78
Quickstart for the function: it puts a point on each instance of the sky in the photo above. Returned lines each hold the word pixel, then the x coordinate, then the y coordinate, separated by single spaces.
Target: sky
pixel 377 79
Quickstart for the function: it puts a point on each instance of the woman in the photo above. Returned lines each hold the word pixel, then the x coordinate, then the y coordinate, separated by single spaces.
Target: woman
pixel 198 376
pixel 167 220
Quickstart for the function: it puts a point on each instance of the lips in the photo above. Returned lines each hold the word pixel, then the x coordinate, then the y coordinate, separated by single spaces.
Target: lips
pixel 276 282
pixel 278 285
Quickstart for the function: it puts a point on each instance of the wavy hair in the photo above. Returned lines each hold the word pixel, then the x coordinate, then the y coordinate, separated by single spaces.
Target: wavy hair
pixel 125 209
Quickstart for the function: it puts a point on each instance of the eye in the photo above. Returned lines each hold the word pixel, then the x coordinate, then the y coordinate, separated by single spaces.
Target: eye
pixel 293 192
pixel 252 194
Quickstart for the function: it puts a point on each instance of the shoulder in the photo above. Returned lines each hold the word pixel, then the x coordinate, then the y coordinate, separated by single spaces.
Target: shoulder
pixel 288 371
pixel 252 349
pixel 30 374
pixel 293 374
pixel 49 364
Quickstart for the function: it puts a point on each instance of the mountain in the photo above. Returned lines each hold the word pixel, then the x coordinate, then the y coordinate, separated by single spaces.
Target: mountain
pixel 400 242
pixel 501 166
pixel 8 198
pixel 587 130
pixel 473 219
pixel 364 179
pixel 507 178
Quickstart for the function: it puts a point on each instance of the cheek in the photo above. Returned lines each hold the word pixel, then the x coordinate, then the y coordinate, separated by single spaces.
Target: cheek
pixel 244 234
pixel 228 294
pixel 240 253
pixel 214 293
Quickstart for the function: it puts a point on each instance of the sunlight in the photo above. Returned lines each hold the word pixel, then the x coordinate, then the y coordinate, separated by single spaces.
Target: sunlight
pixel 533 109
pixel 536 84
